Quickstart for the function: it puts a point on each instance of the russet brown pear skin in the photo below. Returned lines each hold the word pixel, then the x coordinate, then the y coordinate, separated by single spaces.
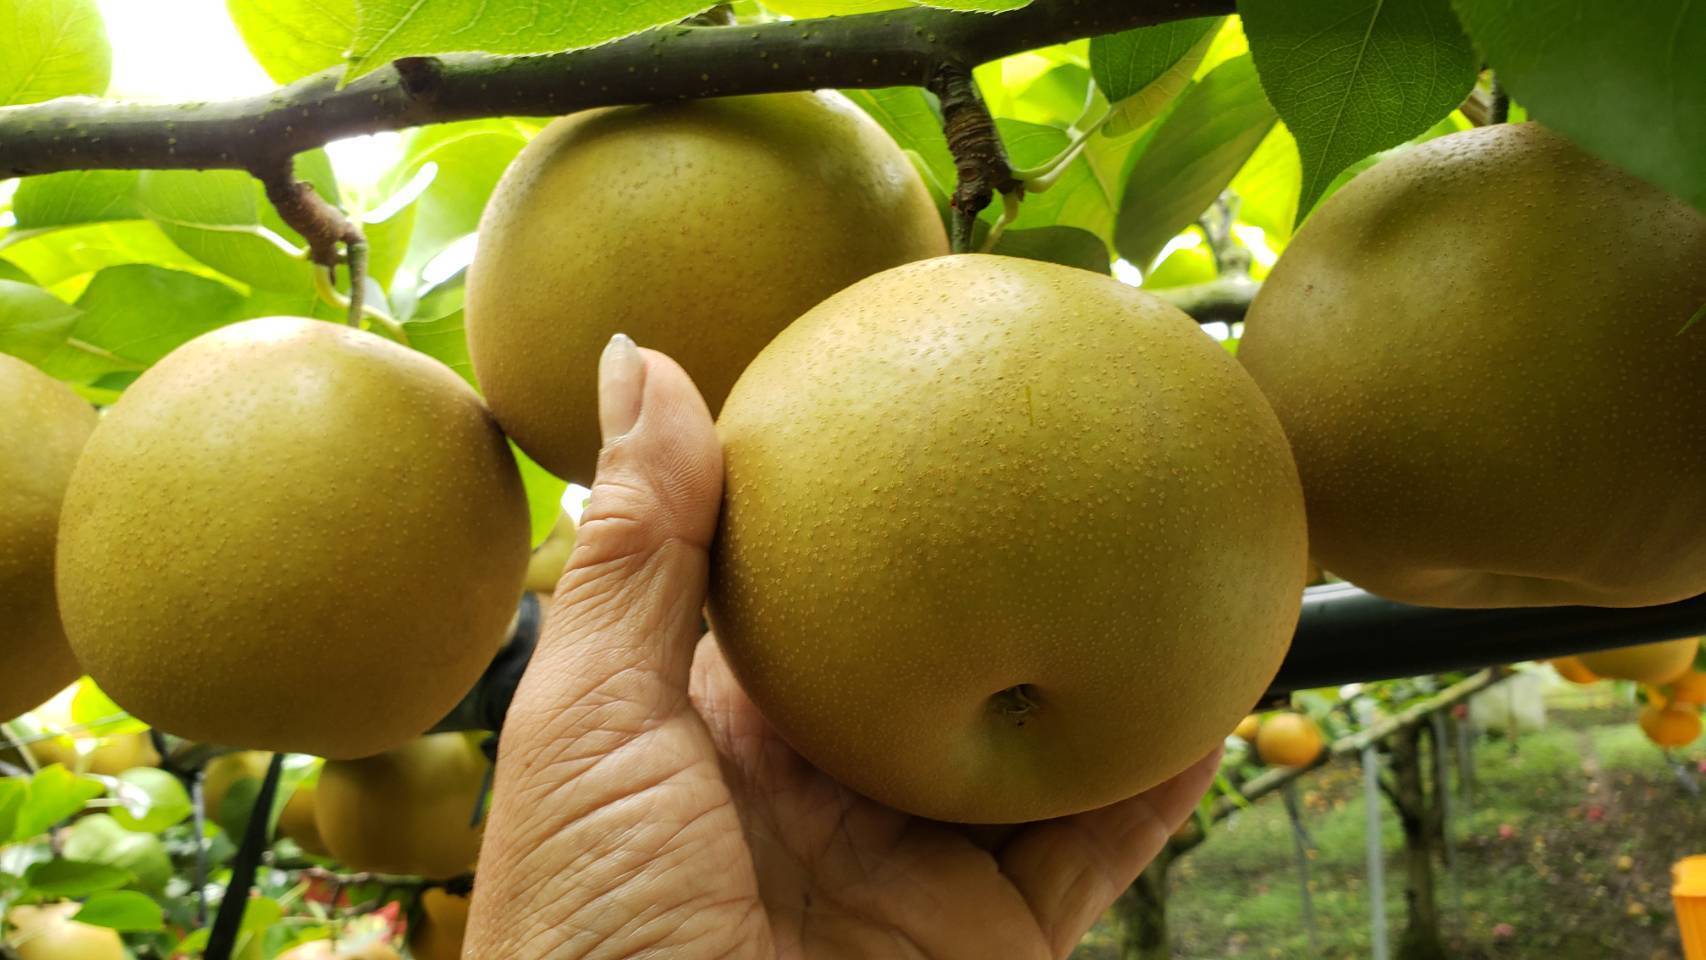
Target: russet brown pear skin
pixel 1477 350
pixel 1003 540
pixel 699 229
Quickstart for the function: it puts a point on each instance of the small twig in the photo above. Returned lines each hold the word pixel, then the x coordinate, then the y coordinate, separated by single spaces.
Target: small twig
pixel 323 225
pixel 979 158
pixel 1501 108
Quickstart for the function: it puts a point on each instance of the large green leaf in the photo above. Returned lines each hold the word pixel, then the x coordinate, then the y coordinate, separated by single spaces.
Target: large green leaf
pixel 52 48
pixel 443 339
pixel 806 9
pixel 1351 77
pixel 910 117
pixel 1065 245
pixel 55 794
pixel 150 800
pixel 1270 185
pixel 124 910
pixel 1625 80
pixel 1076 199
pixel 388 29
pixel 64 259
pixel 215 217
pixel 99 838
pixel 140 313
pixel 294 38
pixel 466 160
pixel 34 324
pixel 74 197
pixel 73 878
pixel 1194 153
pixel 1141 70
pixel 980 6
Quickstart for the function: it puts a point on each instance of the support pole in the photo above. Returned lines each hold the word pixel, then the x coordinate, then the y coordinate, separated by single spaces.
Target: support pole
pixel 1376 853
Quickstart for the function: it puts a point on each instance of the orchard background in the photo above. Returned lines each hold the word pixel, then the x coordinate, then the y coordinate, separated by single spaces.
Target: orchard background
pixel 1177 145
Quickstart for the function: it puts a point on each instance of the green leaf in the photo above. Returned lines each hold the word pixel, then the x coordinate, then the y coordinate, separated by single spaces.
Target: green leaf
pixel 979 6
pixel 1075 200
pixel 13 791
pixel 466 160
pixel 94 713
pixel 64 259
pixel 55 794
pixel 52 48
pixel 1624 80
pixel 77 196
pixel 544 494
pixel 909 115
pixel 124 910
pixel 807 9
pixel 34 324
pixel 150 800
pixel 443 339
pixel 1195 152
pixel 215 217
pixel 1351 77
pixel 139 313
pixel 1068 245
pixel 11 271
pixel 388 29
pixel 1141 70
pixel 73 878
pixel 294 38
pixel 99 838
pixel 1270 185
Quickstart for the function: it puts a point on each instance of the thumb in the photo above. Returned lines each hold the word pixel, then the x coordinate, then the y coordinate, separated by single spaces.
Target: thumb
pixel 628 605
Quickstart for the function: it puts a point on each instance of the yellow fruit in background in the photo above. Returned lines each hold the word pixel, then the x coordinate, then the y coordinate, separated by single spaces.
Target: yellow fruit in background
pixel 323 532
pixel 406 811
pixel 47 932
pixel 1671 726
pixel 700 229
pixel 545 567
pixel 43 425
pixel 1182 268
pixel 952 491
pixel 331 950
pixel 1573 670
pixel 1475 349
pixel 1289 740
pixel 297 821
pixel 444 923
pixel 224 771
pixel 1651 663
pixel 107 756
pixel 1690 688
pixel 1247 727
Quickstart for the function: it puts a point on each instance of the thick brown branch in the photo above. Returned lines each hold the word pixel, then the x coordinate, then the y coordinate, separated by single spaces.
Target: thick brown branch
pixel 904 47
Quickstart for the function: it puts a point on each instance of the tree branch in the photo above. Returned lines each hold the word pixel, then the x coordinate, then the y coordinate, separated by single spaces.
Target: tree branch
pixel 905 47
pixel 979 158
pixel 1224 299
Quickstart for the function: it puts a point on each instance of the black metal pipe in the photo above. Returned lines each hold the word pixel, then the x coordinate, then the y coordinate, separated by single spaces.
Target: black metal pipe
pixel 1346 635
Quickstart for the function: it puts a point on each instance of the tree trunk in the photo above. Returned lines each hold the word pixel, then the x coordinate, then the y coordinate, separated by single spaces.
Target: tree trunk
pixel 1409 793
pixel 1142 913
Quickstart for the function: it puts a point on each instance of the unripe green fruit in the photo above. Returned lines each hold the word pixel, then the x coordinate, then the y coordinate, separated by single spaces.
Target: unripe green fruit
pixel 699 229
pixel 1477 350
pixel 43 426
pixel 294 536
pixel 1003 540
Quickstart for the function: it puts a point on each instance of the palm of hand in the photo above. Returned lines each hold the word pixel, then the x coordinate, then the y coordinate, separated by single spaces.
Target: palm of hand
pixel 839 875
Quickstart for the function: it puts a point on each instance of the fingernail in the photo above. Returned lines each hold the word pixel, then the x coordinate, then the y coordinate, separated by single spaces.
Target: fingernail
pixel 621 383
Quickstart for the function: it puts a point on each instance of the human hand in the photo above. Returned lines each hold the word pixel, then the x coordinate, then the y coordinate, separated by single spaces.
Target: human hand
pixel 643 807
